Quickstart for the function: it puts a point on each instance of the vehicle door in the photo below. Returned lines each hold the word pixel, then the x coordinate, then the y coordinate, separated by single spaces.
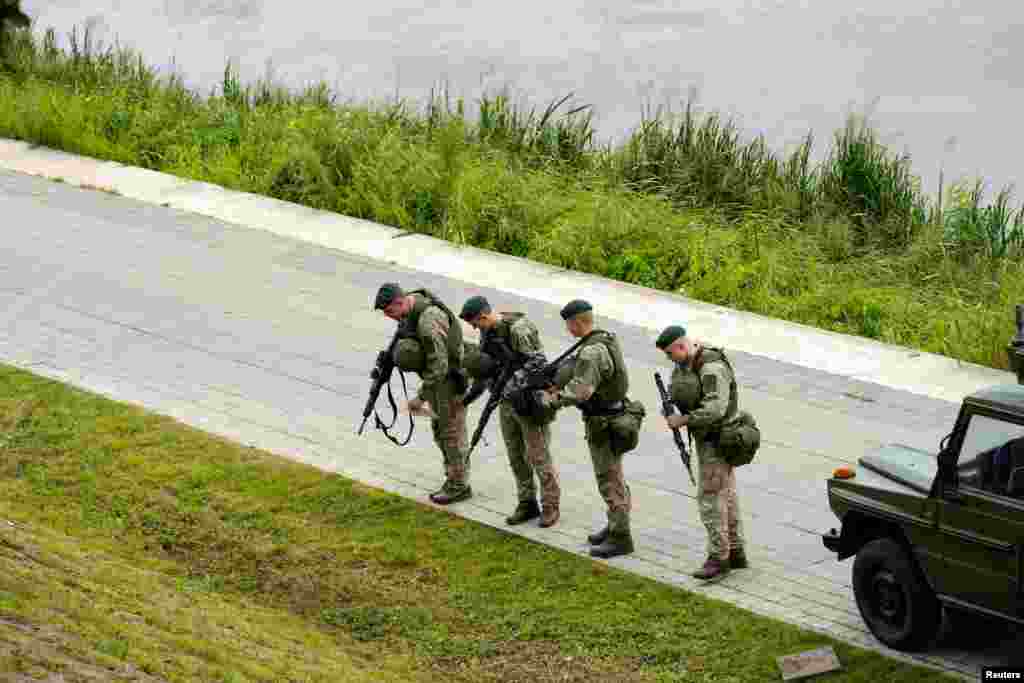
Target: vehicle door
pixel 981 515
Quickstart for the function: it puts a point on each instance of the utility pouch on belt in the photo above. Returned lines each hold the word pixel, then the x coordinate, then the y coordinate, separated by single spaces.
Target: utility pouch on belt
pixel 625 427
pixel 739 441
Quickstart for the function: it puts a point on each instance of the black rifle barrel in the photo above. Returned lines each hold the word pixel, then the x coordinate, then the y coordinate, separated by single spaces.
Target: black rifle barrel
pixel 668 409
pixel 492 402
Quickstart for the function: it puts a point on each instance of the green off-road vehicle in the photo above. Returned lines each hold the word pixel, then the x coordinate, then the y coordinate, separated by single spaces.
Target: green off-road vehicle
pixel 931 531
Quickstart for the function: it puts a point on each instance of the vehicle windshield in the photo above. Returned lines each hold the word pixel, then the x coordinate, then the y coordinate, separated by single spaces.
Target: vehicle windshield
pixel 992 456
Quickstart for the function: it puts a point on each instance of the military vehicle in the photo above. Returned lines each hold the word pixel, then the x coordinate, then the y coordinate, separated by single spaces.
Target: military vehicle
pixel 946 530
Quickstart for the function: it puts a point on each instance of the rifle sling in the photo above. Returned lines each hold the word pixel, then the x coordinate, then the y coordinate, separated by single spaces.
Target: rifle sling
pixel 573 348
pixel 394 410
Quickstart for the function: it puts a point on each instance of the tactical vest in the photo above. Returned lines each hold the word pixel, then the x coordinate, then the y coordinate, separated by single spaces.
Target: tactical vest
pixel 497 342
pixel 425 299
pixel 710 354
pixel 613 389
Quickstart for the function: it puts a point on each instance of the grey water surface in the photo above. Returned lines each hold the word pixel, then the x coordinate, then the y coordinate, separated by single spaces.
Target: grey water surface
pixel 941 79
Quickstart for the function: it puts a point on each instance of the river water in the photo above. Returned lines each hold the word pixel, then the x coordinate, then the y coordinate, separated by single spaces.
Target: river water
pixel 942 80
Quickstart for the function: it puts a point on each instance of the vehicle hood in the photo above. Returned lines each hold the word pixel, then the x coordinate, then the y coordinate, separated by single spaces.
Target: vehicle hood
pixel 891 482
pixel 895 466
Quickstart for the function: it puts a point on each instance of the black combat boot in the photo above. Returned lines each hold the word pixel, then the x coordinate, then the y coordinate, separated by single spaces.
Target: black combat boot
pixel 452 493
pixel 738 559
pixel 615 544
pixel 598 537
pixel 525 511
pixel 712 569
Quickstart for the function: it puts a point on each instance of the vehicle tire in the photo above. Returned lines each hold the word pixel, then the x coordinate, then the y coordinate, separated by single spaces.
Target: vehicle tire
pixel 893 598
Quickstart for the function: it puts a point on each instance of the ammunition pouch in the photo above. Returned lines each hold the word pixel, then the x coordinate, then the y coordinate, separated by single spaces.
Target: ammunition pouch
pixel 738 442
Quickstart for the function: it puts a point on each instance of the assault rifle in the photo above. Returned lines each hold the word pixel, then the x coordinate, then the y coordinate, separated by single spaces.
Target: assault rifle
pixel 668 409
pixel 510 362
pixel 381 376
pixel 545 376
pixel 497 388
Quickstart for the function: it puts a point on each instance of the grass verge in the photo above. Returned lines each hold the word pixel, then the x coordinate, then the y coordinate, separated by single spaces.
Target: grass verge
pixel 134 546
pixel 852 246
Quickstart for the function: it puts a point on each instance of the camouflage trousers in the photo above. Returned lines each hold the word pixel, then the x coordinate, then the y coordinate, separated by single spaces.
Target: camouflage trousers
pixel 528 449
pixel 719 507
pixel 450 433
pixel 611 481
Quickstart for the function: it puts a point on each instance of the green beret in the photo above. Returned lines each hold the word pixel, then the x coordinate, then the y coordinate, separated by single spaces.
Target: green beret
pixel 388 292
pixel 473 307
pixel 575 307
pixel 669 335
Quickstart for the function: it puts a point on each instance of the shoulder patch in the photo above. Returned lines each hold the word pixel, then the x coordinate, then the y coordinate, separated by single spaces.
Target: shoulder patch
pixel 710 383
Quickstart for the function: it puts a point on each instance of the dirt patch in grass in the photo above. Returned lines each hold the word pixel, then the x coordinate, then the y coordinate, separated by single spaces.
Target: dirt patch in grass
pixel 518 662
pixel 42 652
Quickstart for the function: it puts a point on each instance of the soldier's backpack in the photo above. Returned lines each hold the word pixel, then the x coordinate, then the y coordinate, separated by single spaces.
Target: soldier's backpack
pixel 625 427
pixel 740 440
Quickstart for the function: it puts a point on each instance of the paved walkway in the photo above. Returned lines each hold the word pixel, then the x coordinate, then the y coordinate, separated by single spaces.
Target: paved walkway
pixel 268 340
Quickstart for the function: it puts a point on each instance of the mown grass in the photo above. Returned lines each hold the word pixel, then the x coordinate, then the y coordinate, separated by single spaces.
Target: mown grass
pixel 141 545
pixel 684 205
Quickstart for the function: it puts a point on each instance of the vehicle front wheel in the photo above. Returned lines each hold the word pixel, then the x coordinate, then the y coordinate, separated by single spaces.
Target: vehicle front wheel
pixel 893 597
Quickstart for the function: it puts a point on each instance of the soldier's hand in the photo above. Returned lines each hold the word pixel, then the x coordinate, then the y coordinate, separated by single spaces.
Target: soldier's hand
pixel 675 421
pixel 420 408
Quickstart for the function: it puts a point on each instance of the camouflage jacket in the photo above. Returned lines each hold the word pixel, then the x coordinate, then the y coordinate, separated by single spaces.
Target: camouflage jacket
pixel 594 365
pixel 432 332
pixel 718 404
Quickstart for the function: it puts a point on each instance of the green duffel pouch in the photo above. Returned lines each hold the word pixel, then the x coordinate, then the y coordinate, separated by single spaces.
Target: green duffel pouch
pixel 625 428
pixel 740 440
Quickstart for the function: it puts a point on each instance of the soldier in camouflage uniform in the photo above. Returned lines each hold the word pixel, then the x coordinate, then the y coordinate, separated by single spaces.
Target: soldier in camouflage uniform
pixel 510 338
pixel 704 385
pixel 598 388
pixel 423 318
